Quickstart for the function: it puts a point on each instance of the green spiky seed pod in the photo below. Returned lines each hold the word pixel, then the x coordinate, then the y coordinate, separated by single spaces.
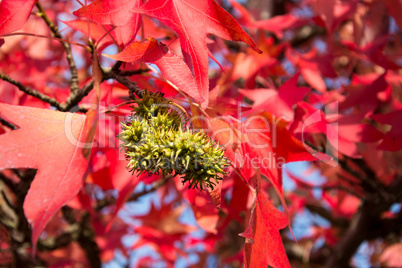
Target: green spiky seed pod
pixel 158 141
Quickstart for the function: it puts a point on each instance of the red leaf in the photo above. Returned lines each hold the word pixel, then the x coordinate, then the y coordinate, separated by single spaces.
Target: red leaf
pixel 116 13
pixel 170 65
pixel 394 8
pixel 203 206
pixel 277 24
pixel 50 142
pixel 313 66
pixel 392 139
pixel 180 15
pixel 334 12
pixel 392 255
pixel 240 196
pixel 365 93
pixel 279 102
pixel 14 14
pixel 165 219
pixel 263 241
pixel 94 30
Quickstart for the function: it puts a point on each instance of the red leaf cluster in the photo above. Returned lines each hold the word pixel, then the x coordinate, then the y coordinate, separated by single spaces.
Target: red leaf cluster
pixel 316 81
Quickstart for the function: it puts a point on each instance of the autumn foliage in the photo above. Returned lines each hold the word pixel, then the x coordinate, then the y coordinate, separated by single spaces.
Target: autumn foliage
pixel 271 82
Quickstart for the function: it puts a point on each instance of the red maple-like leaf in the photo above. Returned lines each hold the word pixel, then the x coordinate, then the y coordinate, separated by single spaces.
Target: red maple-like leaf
pixel 366 93
pixel 263 143
pixel 203 206
pixel 180 15
pixel 332 13
pixel 165 219
pixel 96 31
pixel 276 25
pixel 14 14
pixel 394 7
pixel 263 241
pixel 392 139
pixel 249 64
pixel 313 66
pixel 50 142
pixel 117 13
pixel 171 66
pixel 279 102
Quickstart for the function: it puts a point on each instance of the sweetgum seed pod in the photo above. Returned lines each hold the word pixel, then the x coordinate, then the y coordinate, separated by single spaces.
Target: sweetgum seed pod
pixel 158 140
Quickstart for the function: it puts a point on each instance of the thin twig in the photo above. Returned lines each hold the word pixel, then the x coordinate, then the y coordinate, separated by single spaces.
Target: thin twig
pixel 134 197
pixel 66 45
pixel 154 187
pixel 334 187
pixel 133 72
pixel 116 106
pixel 7 124
pixel 47 37
pixel 131 85
pixel 32 92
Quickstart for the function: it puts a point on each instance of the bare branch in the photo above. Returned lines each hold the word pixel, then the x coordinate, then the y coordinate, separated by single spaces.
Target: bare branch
pixel 66 45
pixel 32 92
pixel 134 197
pixel 350 191
pixel 131 85
pixel 7 124
pixel 154 187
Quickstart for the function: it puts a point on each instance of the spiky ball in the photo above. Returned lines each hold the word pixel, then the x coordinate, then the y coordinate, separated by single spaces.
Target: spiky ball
pixel 157 140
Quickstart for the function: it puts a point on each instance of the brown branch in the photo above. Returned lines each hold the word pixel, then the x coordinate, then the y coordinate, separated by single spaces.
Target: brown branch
pixel 81 232
pixel 86 239
pixel 134 197
pixel 32 92
pixel 131 85
pixel 7 124
pixel 66 45
pixel 333 187
pixel 7 181
pixel 322 212
pixel 77 96
pixel 356 234
pixel 154 187
pixel 60 241
pixel 367 224
pixel 46 37
pixel 107 73
pixel 74 99
pixel 20 232
pixel 133 72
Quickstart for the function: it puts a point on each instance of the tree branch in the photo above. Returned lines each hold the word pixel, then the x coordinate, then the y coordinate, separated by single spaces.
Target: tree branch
pixel 367 224
pixel 134 197
pixel 154 187
pixel 7 124
pixel 322 212
pixel 32 92
pixel 67 47
pixel 131 85
pixel 86 239
pixel 76 97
